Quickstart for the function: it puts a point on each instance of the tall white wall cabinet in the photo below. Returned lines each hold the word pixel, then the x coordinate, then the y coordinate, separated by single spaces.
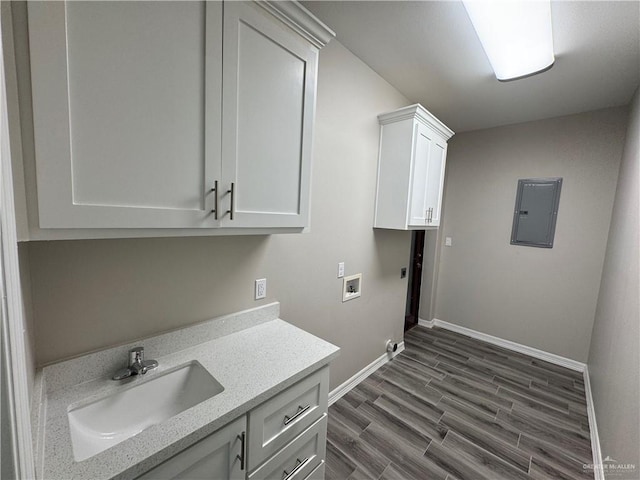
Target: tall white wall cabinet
pixel 411 165
pixel 173 115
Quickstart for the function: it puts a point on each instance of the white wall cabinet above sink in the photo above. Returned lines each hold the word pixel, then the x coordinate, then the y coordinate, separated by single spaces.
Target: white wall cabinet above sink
pixel 411 166
pixel 142 109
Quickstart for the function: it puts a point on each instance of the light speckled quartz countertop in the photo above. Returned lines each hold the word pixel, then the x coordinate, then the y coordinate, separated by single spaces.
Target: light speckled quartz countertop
pixel 254 363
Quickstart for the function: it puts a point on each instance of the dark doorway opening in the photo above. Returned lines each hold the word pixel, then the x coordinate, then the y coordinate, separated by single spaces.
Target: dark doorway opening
pixel 415 279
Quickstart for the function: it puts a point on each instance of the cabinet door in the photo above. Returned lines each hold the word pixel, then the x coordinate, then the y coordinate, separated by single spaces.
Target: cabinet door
pixel 422 140
pixel 427 177
pixel 213 458
pixel 435 180
pixel 127 108
pixel 269 78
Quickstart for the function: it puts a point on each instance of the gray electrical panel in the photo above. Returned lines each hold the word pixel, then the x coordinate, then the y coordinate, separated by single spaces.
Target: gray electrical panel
pixel 534 218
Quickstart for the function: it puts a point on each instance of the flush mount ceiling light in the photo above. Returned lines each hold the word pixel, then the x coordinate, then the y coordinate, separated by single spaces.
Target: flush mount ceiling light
pixel 515 34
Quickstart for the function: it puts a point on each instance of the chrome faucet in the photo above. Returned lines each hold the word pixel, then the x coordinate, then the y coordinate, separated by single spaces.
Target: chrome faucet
pixel 137 364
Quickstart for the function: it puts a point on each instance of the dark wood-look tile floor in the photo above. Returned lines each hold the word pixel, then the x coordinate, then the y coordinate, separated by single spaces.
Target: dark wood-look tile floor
pixel 452 407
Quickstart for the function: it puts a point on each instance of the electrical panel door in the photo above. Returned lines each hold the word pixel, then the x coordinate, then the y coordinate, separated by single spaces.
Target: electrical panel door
pixel 536 211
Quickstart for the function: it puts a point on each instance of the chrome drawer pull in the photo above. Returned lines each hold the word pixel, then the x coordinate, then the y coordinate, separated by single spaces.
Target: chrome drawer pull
pixel 299 465
pixel 301 410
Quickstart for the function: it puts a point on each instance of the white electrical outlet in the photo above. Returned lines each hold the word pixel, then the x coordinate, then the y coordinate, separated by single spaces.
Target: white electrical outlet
pixel 448 241
pixel 261 288
pixel 341 270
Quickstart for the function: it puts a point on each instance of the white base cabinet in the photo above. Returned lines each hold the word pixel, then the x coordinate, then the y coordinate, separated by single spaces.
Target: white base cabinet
pixel 285 438
pixel 172 115
pixel 411 167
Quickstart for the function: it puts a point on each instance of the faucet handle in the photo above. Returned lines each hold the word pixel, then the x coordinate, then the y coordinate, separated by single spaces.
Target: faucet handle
pixel 148 365
pixel 136 355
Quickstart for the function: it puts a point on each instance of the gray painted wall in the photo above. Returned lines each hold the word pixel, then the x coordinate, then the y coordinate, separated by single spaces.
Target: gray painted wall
pixel 543 298
pixel 88 295
pixel 614 361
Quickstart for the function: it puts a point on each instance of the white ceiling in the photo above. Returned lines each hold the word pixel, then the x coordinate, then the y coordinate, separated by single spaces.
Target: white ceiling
pixel 429 51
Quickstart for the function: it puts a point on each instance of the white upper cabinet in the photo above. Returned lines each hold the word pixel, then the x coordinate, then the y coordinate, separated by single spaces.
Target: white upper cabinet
pixel 268 110
pixel 140 112
pixel 411 166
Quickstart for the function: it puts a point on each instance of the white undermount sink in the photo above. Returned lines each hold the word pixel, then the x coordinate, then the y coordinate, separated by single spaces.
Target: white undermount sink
pixel 106 422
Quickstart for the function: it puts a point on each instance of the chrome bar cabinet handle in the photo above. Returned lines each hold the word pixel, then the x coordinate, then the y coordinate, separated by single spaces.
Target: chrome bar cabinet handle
pixel 299 464
pixel 231 209
pixel 241 457
pixel 301 410
pixel 215 200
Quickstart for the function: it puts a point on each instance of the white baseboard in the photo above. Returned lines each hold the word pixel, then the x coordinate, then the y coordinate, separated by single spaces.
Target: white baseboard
pixel 426 323
pixel 508 344
pixel 593 428
pixel 341 390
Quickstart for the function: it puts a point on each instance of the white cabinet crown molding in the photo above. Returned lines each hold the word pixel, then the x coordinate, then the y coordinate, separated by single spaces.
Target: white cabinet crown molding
pixel 419 113
pixel 300 20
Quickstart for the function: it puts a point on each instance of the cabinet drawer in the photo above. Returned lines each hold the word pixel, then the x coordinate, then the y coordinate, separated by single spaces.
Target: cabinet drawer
pixel 299 459
pixel 279 420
